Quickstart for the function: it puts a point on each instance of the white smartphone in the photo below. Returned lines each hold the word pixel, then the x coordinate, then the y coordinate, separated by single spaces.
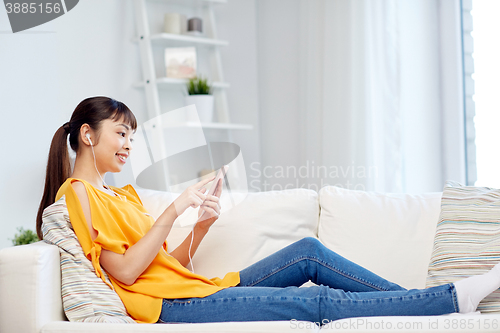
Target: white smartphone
pixel 215 183
pixel 220 175
pixel 188 219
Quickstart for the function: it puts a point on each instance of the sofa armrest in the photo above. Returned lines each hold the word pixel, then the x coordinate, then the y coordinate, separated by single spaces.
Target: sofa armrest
pixel 30 287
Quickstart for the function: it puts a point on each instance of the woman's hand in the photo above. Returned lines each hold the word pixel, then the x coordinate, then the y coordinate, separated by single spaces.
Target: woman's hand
pixel 210 209
pixel 193 196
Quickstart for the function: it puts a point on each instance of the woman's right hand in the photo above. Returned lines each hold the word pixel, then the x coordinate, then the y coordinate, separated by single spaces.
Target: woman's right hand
pixel 193 196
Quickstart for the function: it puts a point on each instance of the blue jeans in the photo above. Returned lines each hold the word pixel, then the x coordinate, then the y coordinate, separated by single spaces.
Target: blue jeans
pixel 269 290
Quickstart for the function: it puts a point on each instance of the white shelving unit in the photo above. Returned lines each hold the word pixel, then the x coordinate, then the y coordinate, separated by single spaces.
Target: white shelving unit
pixel 154 86
pixel 151 84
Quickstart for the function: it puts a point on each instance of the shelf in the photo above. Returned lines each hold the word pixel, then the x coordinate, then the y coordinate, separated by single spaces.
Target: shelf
pixel 193 124
pixel 166 81
pixel 191 2
pixel 163 37
pixel 221 126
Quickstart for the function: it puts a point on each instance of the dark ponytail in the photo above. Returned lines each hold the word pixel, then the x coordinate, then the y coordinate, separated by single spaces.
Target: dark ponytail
pixel 58 170
pixel 91 111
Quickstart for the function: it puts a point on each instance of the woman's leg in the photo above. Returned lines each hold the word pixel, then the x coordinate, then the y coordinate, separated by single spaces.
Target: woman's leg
pixel 319 304
pixel 308 259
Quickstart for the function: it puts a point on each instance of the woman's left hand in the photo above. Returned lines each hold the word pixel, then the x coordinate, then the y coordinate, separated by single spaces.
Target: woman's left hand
pixel 212 208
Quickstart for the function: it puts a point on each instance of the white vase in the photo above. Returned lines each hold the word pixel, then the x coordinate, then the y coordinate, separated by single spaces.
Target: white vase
pixel 204 106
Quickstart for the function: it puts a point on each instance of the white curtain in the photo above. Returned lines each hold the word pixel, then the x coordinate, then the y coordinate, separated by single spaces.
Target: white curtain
pixel 371 103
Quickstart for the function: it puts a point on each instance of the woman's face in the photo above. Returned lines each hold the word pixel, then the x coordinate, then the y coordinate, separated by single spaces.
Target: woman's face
pixel 114 146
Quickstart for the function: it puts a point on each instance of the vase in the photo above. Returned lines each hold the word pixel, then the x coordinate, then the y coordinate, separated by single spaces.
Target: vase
pixel 204 106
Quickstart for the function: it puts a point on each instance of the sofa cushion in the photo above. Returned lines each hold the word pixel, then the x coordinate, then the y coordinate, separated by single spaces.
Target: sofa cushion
pixel 86 298
pixel 467 238
pixel 251 226
pixel 389 234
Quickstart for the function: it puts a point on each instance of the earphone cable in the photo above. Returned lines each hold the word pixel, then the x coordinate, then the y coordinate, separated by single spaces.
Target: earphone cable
pixel 95 165
pixel 189 251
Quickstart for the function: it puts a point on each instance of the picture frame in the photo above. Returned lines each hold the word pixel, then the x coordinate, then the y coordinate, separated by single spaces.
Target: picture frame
pixel 180 62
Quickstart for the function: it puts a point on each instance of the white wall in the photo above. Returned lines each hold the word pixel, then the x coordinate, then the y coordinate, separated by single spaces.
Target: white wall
pixel 278 47
pixel 238 25
pixel 47 70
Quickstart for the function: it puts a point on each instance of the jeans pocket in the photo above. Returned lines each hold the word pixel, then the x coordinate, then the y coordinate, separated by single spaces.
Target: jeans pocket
pixel 167 306
pixel 170 302
pixel 167 302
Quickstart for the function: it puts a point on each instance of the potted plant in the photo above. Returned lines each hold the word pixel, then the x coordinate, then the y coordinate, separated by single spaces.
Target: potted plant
pixel 200 94
pixel 24 237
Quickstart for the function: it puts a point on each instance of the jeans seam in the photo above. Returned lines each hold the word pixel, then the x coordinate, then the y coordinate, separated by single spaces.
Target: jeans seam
pixel 401 298
pixel 249 298
pixel 244 298
pixel 338 271
pixel 454 297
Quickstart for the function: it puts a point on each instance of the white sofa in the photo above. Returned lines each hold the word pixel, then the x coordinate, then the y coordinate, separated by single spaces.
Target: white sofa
pixel 391 234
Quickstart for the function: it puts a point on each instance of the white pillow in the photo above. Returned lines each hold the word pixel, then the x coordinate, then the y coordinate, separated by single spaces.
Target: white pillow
pixel 261 224
pixel 389 234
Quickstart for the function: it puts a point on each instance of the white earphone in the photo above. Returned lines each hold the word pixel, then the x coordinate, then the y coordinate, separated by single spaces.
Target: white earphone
pixel 88 137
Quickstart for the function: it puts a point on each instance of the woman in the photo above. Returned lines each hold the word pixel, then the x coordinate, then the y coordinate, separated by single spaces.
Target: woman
pixel 118 234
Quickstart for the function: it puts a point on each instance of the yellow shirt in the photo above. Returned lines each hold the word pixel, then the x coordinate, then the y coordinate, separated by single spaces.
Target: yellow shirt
pixel 120 223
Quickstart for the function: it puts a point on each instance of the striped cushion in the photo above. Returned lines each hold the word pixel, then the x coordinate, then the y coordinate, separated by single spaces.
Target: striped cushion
pixel 467 240
pixel 86 298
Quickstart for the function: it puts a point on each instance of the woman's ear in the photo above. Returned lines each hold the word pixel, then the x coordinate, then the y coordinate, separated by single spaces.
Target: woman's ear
pixel 84 131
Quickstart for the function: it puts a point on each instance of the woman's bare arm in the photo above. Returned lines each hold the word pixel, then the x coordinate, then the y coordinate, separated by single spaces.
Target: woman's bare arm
pixel 128 266
pixel 181 252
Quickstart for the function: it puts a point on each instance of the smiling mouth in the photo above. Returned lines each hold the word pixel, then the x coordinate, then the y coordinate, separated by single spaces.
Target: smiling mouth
pixel 122 158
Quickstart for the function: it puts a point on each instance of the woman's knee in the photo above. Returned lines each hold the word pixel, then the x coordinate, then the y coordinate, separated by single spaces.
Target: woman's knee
pixel 309 243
